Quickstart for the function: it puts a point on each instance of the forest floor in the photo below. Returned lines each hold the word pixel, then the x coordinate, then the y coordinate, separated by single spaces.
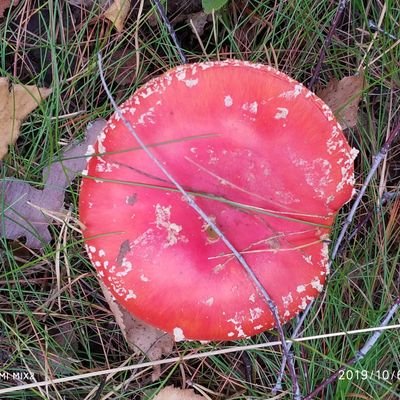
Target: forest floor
pixel 55 324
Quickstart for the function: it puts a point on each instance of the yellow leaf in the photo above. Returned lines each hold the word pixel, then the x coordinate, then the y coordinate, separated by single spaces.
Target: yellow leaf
pixel 15 106
pixel 343 97
pixel 117 13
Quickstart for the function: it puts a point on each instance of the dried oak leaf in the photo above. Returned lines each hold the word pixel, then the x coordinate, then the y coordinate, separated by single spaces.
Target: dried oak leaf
pixel 15 106
pixel 171 393
pixel 117 13
pixel 141 337
pixel 25 210
pixel 4 4
pixel 343 98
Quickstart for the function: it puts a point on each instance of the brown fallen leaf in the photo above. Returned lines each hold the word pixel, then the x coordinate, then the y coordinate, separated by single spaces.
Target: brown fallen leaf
pixel 141 337
pixel 15 105
pixel 198 21
pixel 4 4
pixel 22 206
pixel 171 393
pixel 343 98
pixel 117 13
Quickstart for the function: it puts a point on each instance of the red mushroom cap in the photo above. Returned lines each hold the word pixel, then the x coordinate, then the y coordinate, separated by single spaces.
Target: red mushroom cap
pixel 263 157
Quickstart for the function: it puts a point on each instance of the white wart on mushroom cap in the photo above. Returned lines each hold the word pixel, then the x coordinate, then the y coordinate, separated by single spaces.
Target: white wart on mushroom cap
pixel 264 158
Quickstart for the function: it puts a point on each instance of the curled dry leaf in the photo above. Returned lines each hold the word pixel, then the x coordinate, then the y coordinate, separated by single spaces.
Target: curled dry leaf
pixel 141 337
pixel 343 98
pixel 171 393
pixel 25 210
pixel 15 106
pixel 117 13
pixel 4 4
pixel 197 22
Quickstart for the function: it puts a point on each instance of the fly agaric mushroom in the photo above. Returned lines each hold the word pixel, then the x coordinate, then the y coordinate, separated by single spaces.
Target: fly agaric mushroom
pixel 263 157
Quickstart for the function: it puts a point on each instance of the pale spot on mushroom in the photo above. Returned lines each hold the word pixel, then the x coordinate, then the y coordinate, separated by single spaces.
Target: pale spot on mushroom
pixel 230 334
pixel 334 142
pixel 147 117
pixel 145 238
pixel 309 93
pixel 191 82
pixel 85 173
pixel 209 302
pixel 90 150
pixel 286 313
pixel 178 334
pixel 130 295
pixel 127 267
pixel 103 166
pixel 301 288
pixel 308 259
pixel 330 199
pixel 250 107
pixel 258 327
pixel 100 139
pixel 238 318
pixel 292 94
pixel 287 300
pixel 102 253
pixel 218 268
pixel 148 92
pixel 237 321
pixel 282 113
pixel 144 278
pixel 228 101
pixel 252 298
pixel 92 249
pixel 327 112
pixel 286 197
pixel 100 273
pixel 97 264
pixel 317 173
pixel 303 304
pixel 117 286
pixel 163 221
pixel 316 284
pixel 213 158
pixel 255 313
pixel 180 73
pixel 240 331
pixel 346 170
pixel 325 253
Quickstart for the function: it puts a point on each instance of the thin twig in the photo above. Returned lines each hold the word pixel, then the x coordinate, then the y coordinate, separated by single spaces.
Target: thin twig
pixel 387 197
pixel 327 42
pixel 192 203
pixel 374 27
pixel 191 356
pixel 377 160
pixel 360 354
pixel 171 30
pixel 278 385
